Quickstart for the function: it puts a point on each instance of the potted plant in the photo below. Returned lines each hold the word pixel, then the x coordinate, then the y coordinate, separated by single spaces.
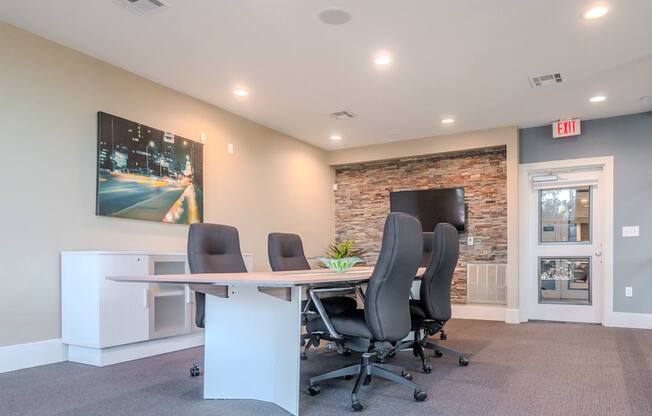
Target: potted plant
pixel 341 256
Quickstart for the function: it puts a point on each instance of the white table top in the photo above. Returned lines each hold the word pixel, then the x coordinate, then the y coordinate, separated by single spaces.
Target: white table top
pixel 267 279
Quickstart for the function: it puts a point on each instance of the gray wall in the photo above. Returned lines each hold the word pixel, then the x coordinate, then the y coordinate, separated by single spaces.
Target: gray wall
pixel 629 140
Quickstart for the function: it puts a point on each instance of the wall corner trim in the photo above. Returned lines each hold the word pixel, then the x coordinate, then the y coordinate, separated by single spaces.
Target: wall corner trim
pixel 512 316
pixel 32 354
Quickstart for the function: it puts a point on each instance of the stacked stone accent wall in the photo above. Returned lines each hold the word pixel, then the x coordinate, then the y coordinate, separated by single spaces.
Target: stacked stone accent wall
pixel 362 202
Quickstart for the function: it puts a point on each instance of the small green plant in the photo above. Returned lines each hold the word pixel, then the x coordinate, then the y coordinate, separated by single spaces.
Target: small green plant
pixel 342 249
pixel 341 256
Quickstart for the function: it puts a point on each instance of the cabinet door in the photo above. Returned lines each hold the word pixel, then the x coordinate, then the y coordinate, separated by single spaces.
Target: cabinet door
pixel 124 308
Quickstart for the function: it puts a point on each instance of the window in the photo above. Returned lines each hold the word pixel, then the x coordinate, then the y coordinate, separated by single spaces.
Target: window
pixel 565 215
pixel 565 280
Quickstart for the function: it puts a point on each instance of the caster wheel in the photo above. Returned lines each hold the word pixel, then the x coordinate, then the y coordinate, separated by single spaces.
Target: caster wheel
pixel 427 369
pixel 406 375
pixel 463 362
pixel 313 390
pixel 304 355
pixel 357 406
pixel 303 342
pixel 420 396
pixel 345 353
pixel 347 377
pixel 195 371
pixel 443 336
pixel 438 354
pixel 391 354
pixel 367 381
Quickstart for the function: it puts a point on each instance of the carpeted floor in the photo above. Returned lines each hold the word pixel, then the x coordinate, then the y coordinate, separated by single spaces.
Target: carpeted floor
pixel 529 369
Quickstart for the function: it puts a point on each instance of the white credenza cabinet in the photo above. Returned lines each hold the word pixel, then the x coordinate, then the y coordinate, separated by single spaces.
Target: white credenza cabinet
pixel 106 322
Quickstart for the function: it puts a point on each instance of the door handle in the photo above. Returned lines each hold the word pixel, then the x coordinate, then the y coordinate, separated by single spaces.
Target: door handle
pixel 598 254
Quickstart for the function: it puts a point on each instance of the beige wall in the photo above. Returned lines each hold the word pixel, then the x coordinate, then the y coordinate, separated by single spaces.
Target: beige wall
pixel 504 136
pixel 49 96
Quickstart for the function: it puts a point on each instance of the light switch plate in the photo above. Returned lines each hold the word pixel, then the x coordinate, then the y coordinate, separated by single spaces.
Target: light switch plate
pixel 229 148
pixel 628 291
pixel 469 240
pixel 334 187
pixel 202 137
pixel 631 231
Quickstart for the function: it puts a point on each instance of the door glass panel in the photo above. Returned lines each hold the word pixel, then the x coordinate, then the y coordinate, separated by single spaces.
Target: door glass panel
pixel 565 280
pixel 565 215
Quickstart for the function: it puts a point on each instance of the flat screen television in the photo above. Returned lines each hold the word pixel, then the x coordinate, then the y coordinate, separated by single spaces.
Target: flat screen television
pixel 432 206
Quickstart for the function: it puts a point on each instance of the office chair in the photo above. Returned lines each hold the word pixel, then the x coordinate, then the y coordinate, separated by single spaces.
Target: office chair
pixel 431 312
pixel 385 319
pixel 212 248
pixel 285 253
pixel 427 249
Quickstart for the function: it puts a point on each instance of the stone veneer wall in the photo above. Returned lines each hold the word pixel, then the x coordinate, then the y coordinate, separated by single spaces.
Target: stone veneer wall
pixel 362 202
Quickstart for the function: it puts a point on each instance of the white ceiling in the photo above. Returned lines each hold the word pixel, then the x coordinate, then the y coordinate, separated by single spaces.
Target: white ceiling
pixel 468 59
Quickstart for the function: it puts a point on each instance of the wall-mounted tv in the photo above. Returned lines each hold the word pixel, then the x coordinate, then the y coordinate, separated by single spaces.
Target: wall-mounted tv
pixel 432 206
pixel 147 174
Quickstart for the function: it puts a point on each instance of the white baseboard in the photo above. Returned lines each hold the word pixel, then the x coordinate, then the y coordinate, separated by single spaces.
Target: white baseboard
pixel 628 320
pixel 101 357
pixel 32 354
pixel 512 316
pixel 481 312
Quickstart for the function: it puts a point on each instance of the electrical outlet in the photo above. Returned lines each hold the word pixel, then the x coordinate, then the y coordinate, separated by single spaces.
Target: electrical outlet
pixel 334 187
pixel 469 240
pixel 628 292
pixel 202 137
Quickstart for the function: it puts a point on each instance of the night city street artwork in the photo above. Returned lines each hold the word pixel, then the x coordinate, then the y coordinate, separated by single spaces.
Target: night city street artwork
pixel 147 174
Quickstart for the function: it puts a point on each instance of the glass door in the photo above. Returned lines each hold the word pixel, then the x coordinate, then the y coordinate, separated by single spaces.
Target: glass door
pixel 567 249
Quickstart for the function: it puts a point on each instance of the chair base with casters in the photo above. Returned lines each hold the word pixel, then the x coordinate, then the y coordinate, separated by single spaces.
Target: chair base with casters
pixel 365 372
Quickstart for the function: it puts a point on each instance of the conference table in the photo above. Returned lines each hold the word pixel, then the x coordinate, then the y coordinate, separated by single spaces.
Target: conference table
pixel 253 329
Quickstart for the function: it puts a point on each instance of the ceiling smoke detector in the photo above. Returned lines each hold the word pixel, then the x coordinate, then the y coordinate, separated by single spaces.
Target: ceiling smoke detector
pixel 334 16
pixel 546 80
pixel 142 6
pixel 342 115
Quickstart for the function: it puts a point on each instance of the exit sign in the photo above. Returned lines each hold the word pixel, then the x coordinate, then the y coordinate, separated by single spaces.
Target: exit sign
pixel 565 128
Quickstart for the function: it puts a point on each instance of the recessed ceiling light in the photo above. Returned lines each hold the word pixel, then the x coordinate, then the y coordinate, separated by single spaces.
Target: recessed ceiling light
pixel 383 59
pixel 597 99
pixel 335 137
pixel 447 121
pixel 595 12
pixel 241 92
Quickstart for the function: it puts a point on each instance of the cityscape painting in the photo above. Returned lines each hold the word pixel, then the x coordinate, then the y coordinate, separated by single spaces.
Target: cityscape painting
pixel 147 174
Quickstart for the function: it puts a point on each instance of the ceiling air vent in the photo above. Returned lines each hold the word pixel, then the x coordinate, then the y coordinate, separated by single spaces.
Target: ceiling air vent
pixel 546 80
pixel 142 6
pixel 343 115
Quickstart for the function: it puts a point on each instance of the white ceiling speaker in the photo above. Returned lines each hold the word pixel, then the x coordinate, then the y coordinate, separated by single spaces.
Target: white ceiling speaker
pixel 334 16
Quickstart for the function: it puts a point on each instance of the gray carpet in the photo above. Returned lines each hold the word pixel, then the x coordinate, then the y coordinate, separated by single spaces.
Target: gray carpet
pixel 528 369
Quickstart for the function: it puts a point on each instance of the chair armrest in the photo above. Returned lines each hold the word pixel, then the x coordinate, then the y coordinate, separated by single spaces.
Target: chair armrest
pixel 314 296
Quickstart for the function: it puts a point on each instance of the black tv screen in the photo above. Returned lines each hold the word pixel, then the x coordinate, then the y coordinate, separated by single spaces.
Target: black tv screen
pixel 432 206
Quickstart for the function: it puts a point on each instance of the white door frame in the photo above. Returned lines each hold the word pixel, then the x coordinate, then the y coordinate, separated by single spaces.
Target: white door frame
pixel 525 236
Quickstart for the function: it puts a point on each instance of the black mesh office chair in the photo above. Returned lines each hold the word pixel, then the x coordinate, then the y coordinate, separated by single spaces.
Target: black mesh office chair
pixel 385 319
pixel 431 312
pixel 212 248
pixel 286 254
